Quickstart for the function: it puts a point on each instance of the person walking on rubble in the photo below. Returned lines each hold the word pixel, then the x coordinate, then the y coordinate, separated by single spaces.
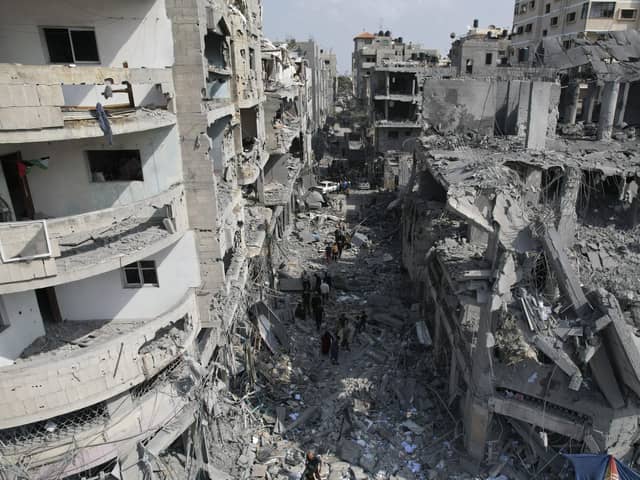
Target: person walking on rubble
pixel 325 343
pixel 328 253
pixel 306 303
pixel 362 322
pixel 312 467
pixel 335 252
pixel 327 279
pixel 344 332
pixel 334 349
pixel 324 290
pixel 318 313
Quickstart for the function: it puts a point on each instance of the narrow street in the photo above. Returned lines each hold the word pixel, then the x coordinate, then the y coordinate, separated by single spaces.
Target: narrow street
pixel 380 413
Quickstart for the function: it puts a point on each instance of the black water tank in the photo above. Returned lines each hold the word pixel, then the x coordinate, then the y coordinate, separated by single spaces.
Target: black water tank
pixel 387 33
pixel 476 23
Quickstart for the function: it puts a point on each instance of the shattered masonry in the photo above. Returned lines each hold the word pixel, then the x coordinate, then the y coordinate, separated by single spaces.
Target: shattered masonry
pixel 144 180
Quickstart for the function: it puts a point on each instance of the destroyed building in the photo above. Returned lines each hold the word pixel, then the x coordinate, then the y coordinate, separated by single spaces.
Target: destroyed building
pixel 138 142
pixel 567 22
pixel 480 50
pixel 520 241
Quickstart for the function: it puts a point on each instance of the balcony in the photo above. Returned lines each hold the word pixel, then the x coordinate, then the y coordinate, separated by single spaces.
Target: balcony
pixel 84 363
pixel 44 253
pixel 56 102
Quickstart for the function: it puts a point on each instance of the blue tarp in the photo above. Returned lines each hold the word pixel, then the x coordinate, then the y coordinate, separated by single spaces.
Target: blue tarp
pixel 594 467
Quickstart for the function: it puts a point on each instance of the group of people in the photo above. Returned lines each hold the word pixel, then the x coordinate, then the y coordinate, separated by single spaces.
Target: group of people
pixel 314 298
pixel 343 336
pixel 333 250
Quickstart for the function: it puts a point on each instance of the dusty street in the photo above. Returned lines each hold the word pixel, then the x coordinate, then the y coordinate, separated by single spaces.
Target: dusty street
pixel 380 412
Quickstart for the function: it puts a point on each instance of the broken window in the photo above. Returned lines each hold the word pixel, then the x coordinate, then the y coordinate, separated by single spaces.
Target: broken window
pixel 602 9
pixel 544 33
pixel 628 14
pixel 115 165
pixel 529 27
pixel 547 8
pixel 554 21
pixel 488 60
pixel 71 45
pixel 140 274
pixel 567 44
pixel 520 30
pixel 571 17
pixel 469 66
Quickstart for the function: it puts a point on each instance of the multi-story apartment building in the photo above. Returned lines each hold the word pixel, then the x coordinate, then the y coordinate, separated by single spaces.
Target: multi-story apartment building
pixel 534 20
pixel 133 154
pixel 481 50
pixel 375 49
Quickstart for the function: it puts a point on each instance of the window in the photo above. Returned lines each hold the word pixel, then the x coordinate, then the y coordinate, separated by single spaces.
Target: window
pixel 523 55
pixel 628 14
pixel 488 59
pixel 252 59
pixel 585 11
pixel 140 274
pixel 571 17
pixel 567 44
pixel 523 9
pixel 394 134
pixel 71 45
pixel 547 8
pixel 602 9
pixel 115 165
pixel 554 21
pixel 520 30
pixel 532 4
pixel 528 28
pixel 545 33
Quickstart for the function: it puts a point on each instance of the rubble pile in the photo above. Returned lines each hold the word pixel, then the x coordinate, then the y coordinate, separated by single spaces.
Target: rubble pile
pixel 381 412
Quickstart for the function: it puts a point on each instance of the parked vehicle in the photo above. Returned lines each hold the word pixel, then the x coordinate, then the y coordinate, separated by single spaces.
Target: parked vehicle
pixel 325 187
pixel 364 185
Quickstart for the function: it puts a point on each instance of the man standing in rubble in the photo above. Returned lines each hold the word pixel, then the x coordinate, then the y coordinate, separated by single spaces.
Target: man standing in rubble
pixel 324 290
pixel 318 310
pixel 312 467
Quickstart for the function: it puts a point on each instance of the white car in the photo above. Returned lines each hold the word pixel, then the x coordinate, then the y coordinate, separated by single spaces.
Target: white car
pixel 325 187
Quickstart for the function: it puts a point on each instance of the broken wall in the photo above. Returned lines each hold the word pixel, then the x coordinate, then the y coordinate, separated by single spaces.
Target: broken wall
pixel 460 105
pixel 22 313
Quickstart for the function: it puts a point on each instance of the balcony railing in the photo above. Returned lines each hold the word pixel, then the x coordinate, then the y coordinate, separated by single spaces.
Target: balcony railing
pixel 112 359
pixel 49 252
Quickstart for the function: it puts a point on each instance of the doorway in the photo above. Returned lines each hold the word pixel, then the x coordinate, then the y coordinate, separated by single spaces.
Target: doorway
pixel 19 192
pixel 48 304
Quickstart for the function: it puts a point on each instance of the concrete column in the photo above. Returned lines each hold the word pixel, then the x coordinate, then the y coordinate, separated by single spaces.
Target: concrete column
pixel 589 103
pixel 413 87
pixel 538 117
pixel 623 97
pixel 453 376
pixel 572 100
pixel 387 83
pixel 608 110
pixel 386 109
pixel 567 214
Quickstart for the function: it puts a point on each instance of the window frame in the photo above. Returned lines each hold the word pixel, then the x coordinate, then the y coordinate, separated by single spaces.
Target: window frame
pixel 600 8
pixel 91 173
pixel 547 8
pixel 552 24
pixel 488 58
pixel 573 19
pixel 635 14
pixel 139 268
pixel 42 29
pixel 528 28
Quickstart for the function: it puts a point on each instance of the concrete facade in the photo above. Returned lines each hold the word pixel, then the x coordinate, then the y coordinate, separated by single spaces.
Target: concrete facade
pixel 127 243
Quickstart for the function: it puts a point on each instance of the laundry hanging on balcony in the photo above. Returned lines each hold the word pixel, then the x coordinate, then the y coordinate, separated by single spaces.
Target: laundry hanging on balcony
pixel 103 121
